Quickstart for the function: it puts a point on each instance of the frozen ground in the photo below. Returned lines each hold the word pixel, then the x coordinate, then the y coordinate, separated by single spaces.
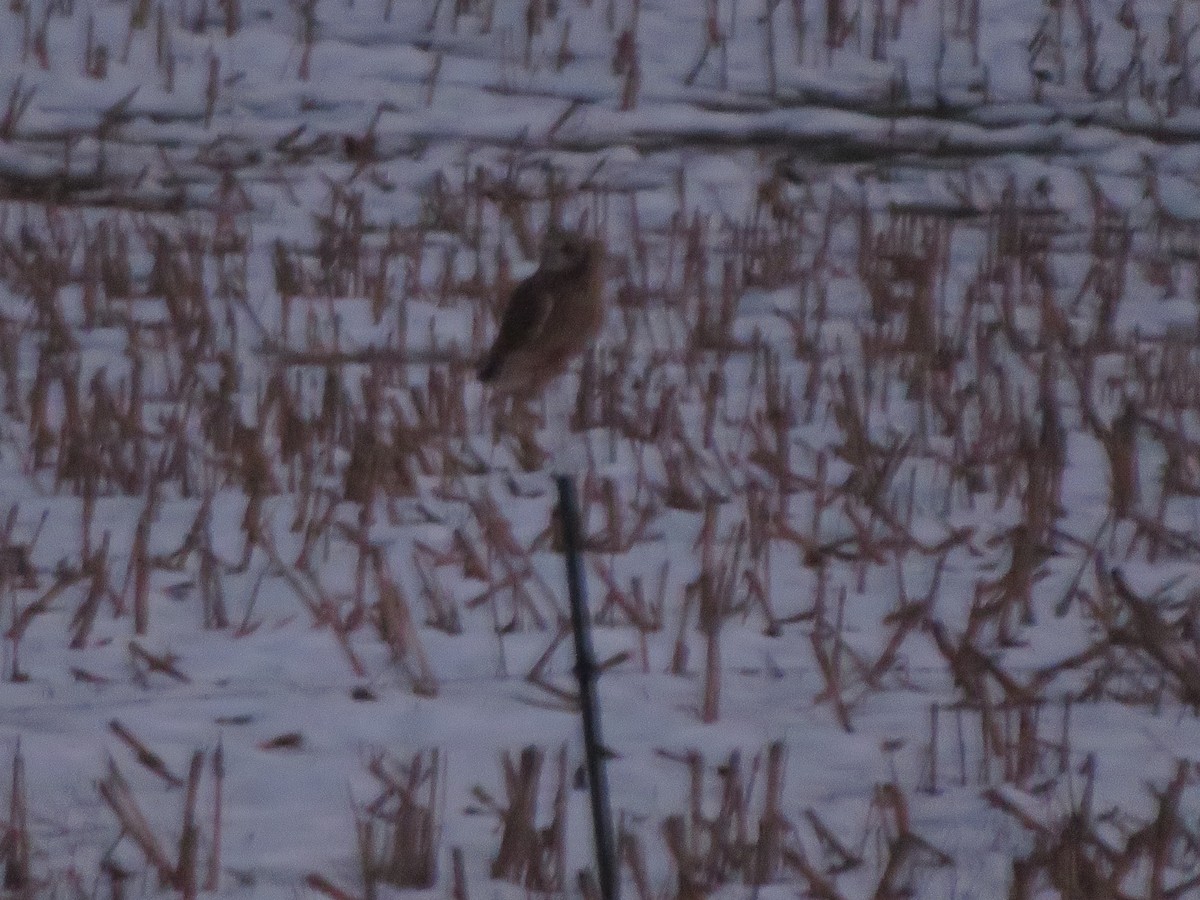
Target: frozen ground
pixel 890 455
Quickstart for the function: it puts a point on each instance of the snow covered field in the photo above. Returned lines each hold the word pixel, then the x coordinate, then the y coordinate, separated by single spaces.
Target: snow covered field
pixel 889 456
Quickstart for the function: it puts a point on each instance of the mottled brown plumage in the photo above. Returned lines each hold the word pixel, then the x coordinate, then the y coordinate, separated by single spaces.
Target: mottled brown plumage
pixel 551 317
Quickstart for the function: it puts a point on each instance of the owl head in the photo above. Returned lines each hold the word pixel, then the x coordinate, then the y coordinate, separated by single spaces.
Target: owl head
pixel 565 251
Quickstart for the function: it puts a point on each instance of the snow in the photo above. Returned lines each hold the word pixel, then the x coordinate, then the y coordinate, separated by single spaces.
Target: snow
pixel 385 185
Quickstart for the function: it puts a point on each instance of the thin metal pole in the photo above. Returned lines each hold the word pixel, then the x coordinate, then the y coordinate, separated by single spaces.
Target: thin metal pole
pixel 585 671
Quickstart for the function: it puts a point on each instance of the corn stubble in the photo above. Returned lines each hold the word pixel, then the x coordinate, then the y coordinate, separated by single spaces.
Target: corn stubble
pixel 1002 362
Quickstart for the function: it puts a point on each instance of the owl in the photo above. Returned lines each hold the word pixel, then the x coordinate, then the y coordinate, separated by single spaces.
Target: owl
pixel 551 317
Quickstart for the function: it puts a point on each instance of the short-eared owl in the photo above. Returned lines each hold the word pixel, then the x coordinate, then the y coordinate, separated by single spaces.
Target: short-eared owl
pixel 551 316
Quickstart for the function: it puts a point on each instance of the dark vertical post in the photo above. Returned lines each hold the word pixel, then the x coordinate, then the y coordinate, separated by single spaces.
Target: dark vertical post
pixel 585 671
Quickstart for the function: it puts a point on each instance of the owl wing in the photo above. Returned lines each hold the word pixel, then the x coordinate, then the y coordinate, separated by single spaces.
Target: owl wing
pixel 524 319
